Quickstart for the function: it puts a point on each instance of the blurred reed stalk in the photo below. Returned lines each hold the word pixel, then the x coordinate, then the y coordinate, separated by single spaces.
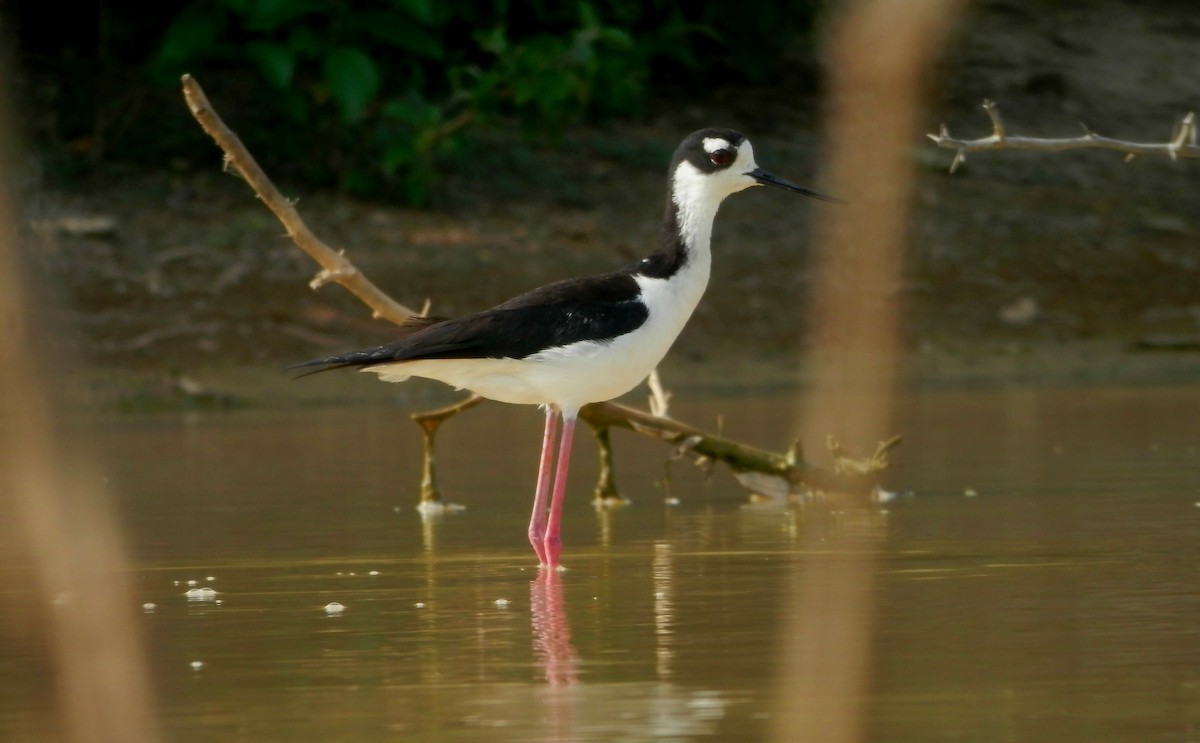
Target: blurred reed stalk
pixel 877 53
pixel 78 604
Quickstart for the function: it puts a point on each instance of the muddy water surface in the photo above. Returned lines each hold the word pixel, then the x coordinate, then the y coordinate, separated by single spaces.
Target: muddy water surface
pixel 1038 577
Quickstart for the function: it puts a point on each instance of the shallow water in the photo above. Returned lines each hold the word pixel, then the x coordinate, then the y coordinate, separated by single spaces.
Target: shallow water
pixel 1038 577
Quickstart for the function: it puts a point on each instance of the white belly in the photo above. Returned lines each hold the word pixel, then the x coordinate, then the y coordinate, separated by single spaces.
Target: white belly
pixel 567 376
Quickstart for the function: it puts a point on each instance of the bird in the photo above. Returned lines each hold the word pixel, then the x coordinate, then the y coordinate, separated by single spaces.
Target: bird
pixel 581 340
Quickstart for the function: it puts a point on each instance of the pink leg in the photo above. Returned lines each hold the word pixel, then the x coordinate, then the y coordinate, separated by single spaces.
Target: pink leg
pixel 553 544
pixel 537 522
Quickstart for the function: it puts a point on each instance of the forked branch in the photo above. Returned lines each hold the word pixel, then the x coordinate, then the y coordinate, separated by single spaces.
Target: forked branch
pixel 1181 144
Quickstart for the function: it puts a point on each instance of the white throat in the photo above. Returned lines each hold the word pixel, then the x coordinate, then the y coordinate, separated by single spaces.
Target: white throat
pixel 697 203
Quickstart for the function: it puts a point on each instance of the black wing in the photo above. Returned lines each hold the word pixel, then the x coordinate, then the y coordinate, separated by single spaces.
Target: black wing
pixel 598 308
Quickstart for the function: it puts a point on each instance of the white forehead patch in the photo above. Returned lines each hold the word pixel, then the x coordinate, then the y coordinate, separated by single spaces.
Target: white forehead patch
pixel 712 144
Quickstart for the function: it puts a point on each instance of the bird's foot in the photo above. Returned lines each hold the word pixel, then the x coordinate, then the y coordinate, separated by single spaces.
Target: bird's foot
pixel 538 542
pixel 552 548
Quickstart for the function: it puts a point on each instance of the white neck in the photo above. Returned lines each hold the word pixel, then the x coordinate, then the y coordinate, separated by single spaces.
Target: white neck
pixel 697 203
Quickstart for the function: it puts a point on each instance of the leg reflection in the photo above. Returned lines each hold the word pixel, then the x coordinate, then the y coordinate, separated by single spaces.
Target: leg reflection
pixel 551 630
pixel 555 654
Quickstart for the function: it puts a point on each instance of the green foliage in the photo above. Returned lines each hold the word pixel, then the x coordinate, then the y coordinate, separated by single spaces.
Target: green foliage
pixel 375 94
pixel 548 79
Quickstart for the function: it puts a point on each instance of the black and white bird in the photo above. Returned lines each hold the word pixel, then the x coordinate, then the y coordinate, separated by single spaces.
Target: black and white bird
pixel 584 340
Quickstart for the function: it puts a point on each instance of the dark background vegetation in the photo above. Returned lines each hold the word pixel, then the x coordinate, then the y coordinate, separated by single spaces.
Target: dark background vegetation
pixel 465 152
pixel 375 96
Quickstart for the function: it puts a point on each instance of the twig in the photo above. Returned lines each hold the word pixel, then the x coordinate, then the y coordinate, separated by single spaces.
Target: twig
pixel 155 335
pixel 335 266
pixel 429 421
pixel 877 462
pixel 1168 342
pixel 606 493
pixel 1181 144
pixel 660 398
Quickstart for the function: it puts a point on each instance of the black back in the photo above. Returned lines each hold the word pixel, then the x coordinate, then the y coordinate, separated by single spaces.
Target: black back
pixel 596 308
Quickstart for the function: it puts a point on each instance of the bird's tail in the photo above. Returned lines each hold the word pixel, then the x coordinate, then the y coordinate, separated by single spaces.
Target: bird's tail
pixel 316 366
pixel 366 357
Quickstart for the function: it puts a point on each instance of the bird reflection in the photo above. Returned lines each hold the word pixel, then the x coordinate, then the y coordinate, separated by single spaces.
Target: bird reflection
pixel 551 630
pixel 555 654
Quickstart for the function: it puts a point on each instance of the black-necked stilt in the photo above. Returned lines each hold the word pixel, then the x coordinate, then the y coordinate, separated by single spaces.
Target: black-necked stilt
pixel 582 340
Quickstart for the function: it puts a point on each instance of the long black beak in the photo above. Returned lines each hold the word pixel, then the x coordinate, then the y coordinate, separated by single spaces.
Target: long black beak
pixel 766 179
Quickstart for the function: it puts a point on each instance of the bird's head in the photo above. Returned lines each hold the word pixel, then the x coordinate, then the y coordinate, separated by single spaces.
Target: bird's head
pixel 719 162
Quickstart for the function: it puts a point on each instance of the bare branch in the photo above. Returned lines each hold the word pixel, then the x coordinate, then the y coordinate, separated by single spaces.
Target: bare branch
pixel 850 476
pixel 606 493
pixel 1181 144
pixel 429 421
pixel 738 457
pixel 993 112
pixel 335 266
pixel 660 398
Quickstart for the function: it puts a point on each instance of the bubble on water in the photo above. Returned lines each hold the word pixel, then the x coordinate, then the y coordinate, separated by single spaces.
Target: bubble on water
pixel 501 603
pixel 373 572
pixel 333 608
pixel 197 665
pixel 193 583
pixel 420 604
pixel 200 594
pixel 149 607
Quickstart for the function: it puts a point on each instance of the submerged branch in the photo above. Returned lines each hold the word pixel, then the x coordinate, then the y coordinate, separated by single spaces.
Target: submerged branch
pixel 1181 144
pixel 606 492
pixel 740 457
pixel 850 475
pixel 429 421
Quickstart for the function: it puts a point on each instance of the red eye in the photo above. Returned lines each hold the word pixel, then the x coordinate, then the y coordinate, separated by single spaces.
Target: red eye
pixel 721 157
